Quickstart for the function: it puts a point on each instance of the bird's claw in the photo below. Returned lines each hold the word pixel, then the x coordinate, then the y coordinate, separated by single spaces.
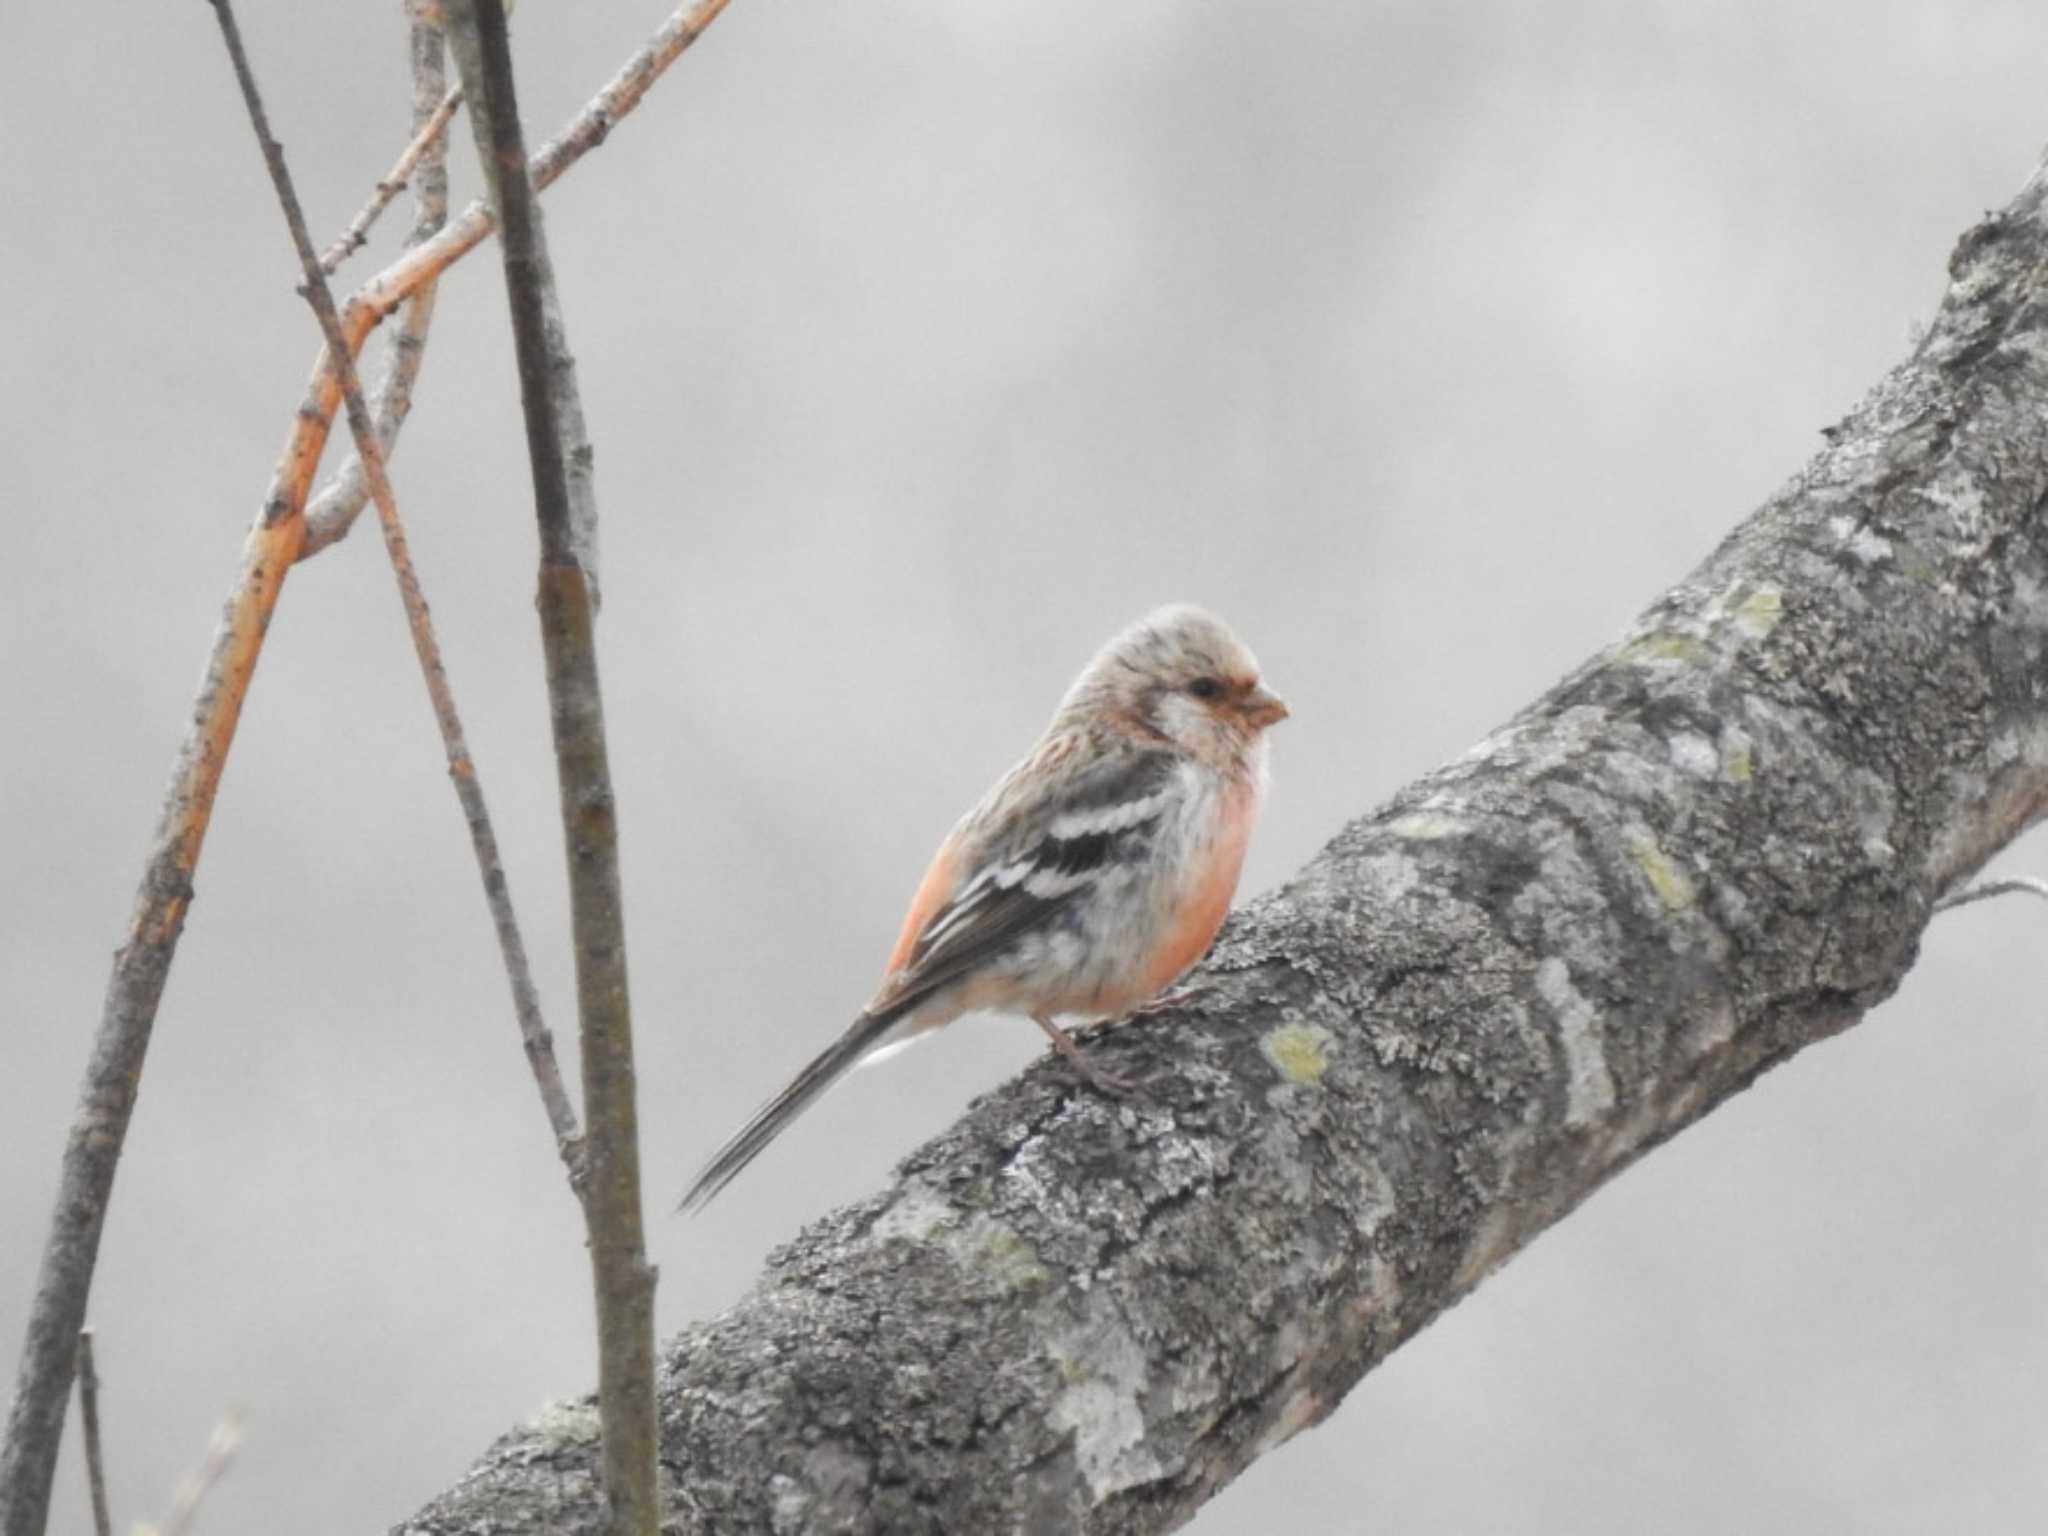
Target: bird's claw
pixel 1111 1085
pixel 1083 1066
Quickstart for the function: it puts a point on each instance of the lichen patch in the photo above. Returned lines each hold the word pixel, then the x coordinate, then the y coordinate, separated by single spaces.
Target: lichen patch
pixel 1670 883
pixel 1004 1256
pixel 1104 1372
pixel 1426 826
pixel 1864 544
pixel 1299 1052
pixel 1738 755
pixel 1693 753
pixel 1665 645
pixel 1758 614
pixel 567 1422
pixel 1588 1085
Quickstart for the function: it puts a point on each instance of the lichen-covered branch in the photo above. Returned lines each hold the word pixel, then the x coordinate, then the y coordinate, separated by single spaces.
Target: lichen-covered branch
pixel 621 1278
pixel 1714 844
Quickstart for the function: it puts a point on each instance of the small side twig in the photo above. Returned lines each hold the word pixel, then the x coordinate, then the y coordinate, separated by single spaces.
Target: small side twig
pixel 425 262
pixel 220 1450
pixel 2018 885
pixel 89 1418
pixel 357 235
pixel 461 767
pixel 331 513
pixel 620 1274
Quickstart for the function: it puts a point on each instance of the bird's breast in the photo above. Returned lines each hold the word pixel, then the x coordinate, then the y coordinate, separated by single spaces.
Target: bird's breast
pixel 1196 883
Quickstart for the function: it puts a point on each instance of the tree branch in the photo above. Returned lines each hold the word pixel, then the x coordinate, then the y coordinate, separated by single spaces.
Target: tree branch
pixel 89 1424
pixel 1714 844
pixel 92 1147
pixel 425 137
pixel 99 1127
pixel 425 262
pixel 426 646
pixel 621 1277
pixel 2018 885
pixel 331 513
pixel 221 1446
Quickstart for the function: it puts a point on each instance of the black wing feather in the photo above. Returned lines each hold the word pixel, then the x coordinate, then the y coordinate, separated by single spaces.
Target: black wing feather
pixel 989 915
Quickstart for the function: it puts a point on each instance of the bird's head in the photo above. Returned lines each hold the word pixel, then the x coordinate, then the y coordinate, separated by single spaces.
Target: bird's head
pixel 1178 673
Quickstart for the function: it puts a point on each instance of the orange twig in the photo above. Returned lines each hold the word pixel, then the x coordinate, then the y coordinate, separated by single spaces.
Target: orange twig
pixel 35 1422
pixel 357 235
pixel 331 513
pixel 461 767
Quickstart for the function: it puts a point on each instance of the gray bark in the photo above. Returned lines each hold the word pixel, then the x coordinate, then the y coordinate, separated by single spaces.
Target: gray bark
pixel 622 1281
pixel 1714 844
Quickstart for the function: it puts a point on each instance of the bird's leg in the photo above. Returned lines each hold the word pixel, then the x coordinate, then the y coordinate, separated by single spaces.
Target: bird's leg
pixel 1106 1083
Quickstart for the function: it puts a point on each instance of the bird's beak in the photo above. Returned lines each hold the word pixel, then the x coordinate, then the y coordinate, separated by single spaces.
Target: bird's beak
pixel 1261 709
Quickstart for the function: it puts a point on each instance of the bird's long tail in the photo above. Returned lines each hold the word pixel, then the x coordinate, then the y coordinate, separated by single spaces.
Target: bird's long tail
pixel 773 1118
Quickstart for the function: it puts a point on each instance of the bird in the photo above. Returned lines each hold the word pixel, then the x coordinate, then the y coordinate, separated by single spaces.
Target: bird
pixel 1088 879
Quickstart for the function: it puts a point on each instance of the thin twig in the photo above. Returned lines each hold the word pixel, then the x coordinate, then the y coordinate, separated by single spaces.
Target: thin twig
pixel 461 767
pixel 99 1128
pixel 89 1420
pixel 2017 885
pixel 620 1274
pixel 422 264
pixel 357 235
pixel 220 1450
pixel 330 514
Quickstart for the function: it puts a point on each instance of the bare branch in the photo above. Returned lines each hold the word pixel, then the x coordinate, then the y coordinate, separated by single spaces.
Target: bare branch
pixel 2017 885
pixel 99 1128
pixel 92 1149
pixel 357 235
pixel 425 262
pixel 221 1446
pixel 1715 844
pixel 331 514
pixel 89 1420
pixel 461 767
pixel 620 1274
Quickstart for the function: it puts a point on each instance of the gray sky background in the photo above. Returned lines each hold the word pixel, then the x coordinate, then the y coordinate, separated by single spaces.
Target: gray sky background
pixel 923 345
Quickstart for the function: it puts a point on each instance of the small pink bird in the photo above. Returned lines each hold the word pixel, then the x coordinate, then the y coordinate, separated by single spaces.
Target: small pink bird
pixel 1090 877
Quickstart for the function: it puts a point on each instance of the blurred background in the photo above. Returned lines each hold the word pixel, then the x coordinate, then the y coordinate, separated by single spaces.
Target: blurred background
pixel 923 345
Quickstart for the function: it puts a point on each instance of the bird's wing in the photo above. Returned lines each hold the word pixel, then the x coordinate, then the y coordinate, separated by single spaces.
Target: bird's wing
pixel 1012 867
pixel 1034 863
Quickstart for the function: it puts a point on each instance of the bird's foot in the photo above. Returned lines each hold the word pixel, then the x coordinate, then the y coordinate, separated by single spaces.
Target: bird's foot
pixel 1109 1084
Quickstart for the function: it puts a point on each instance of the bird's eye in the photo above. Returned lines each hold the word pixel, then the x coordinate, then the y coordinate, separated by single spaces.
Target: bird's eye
pixel 1205 688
